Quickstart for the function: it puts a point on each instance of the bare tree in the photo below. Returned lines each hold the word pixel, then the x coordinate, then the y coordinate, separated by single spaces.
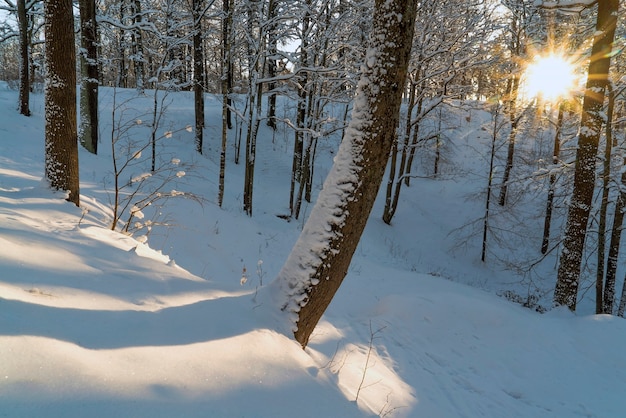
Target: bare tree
pixel 319 261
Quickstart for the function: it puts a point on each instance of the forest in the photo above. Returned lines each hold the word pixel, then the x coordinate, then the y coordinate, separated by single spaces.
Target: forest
pixel 370 111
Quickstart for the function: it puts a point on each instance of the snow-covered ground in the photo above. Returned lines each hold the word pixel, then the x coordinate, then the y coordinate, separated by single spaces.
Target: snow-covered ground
pixel 95 323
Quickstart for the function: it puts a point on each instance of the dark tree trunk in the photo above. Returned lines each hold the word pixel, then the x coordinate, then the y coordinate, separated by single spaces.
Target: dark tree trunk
pixel 198 73
pixel 138 44
pixel 391 197
pixel 272 50
pixel 255 96
pixel 24 94
pixel 89 76
pixel 605 296
pixel 61 142
pixel 226 56
pixel 566 289
pixel 604 204
pixel 512 135
pixel 122 69
pixel 298 146
pixel 320 259
pixel 547 222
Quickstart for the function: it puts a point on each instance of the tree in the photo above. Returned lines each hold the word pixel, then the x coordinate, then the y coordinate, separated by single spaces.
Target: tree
pixel 566 290
pixel 22 18
pixel 272 63
pixel 256 64
pixel 61 160
pixel 522 17
pixel 89 76
pixel 606 299
pixel 226 80
pixel 320 258
pixel 198 73
pixel 444 50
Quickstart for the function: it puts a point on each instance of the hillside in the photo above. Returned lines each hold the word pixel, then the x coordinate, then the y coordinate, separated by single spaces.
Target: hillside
pixel 175 320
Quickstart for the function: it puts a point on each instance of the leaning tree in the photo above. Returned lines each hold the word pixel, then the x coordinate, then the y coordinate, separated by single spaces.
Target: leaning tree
pixel 320 258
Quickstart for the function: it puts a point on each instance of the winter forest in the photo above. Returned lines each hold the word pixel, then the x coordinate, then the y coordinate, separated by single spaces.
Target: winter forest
pixel 343 208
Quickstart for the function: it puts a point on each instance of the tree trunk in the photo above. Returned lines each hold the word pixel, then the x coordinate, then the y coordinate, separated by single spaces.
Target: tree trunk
pixel 547 222
pixel 198 73
pixel 226 56
pixel 61 142
pixel 605 296
pixel 24 95
pixel 566 289
pixel 256 65
pixel 122 71
pixel 138 43
pixel 511 148
pixel 415 139
pixel 391 203
pixel 320 259
pixel 494 138
pixel 272 50
pixel 302 85
pixel 89 76
pixel 604 203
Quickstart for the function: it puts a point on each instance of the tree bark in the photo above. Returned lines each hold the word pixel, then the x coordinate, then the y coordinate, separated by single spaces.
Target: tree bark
pixel 604 204
pixel 566 289
pixel 302 81
pixel 226 57
pixel 320 259
pixel 61 137
pixel 24 94
pixel 138 46
pixel 198 73
pixel 391 197
pixel 272 50
pixel 89 76
pixel 605 289
pixel 547 222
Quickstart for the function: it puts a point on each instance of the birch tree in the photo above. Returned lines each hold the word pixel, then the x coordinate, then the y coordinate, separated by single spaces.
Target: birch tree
pixel 320 258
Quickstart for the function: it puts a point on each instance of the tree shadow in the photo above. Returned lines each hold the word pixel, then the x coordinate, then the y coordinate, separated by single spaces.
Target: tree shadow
pixel 101 329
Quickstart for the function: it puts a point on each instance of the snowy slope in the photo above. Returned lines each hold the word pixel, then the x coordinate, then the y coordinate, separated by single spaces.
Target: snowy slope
pixel 94 323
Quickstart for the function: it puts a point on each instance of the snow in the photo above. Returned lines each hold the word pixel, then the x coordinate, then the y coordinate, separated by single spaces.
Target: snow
pixel 95 323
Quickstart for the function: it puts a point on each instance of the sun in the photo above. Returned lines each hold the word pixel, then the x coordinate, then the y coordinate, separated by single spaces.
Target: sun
pixel 550 77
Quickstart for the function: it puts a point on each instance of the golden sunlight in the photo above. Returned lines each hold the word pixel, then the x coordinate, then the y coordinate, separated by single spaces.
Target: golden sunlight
pixel 550 77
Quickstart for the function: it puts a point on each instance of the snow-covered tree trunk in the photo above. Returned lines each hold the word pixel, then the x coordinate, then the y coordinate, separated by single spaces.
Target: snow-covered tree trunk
pixel 61 161
pixel 320 259
pixel 566 290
